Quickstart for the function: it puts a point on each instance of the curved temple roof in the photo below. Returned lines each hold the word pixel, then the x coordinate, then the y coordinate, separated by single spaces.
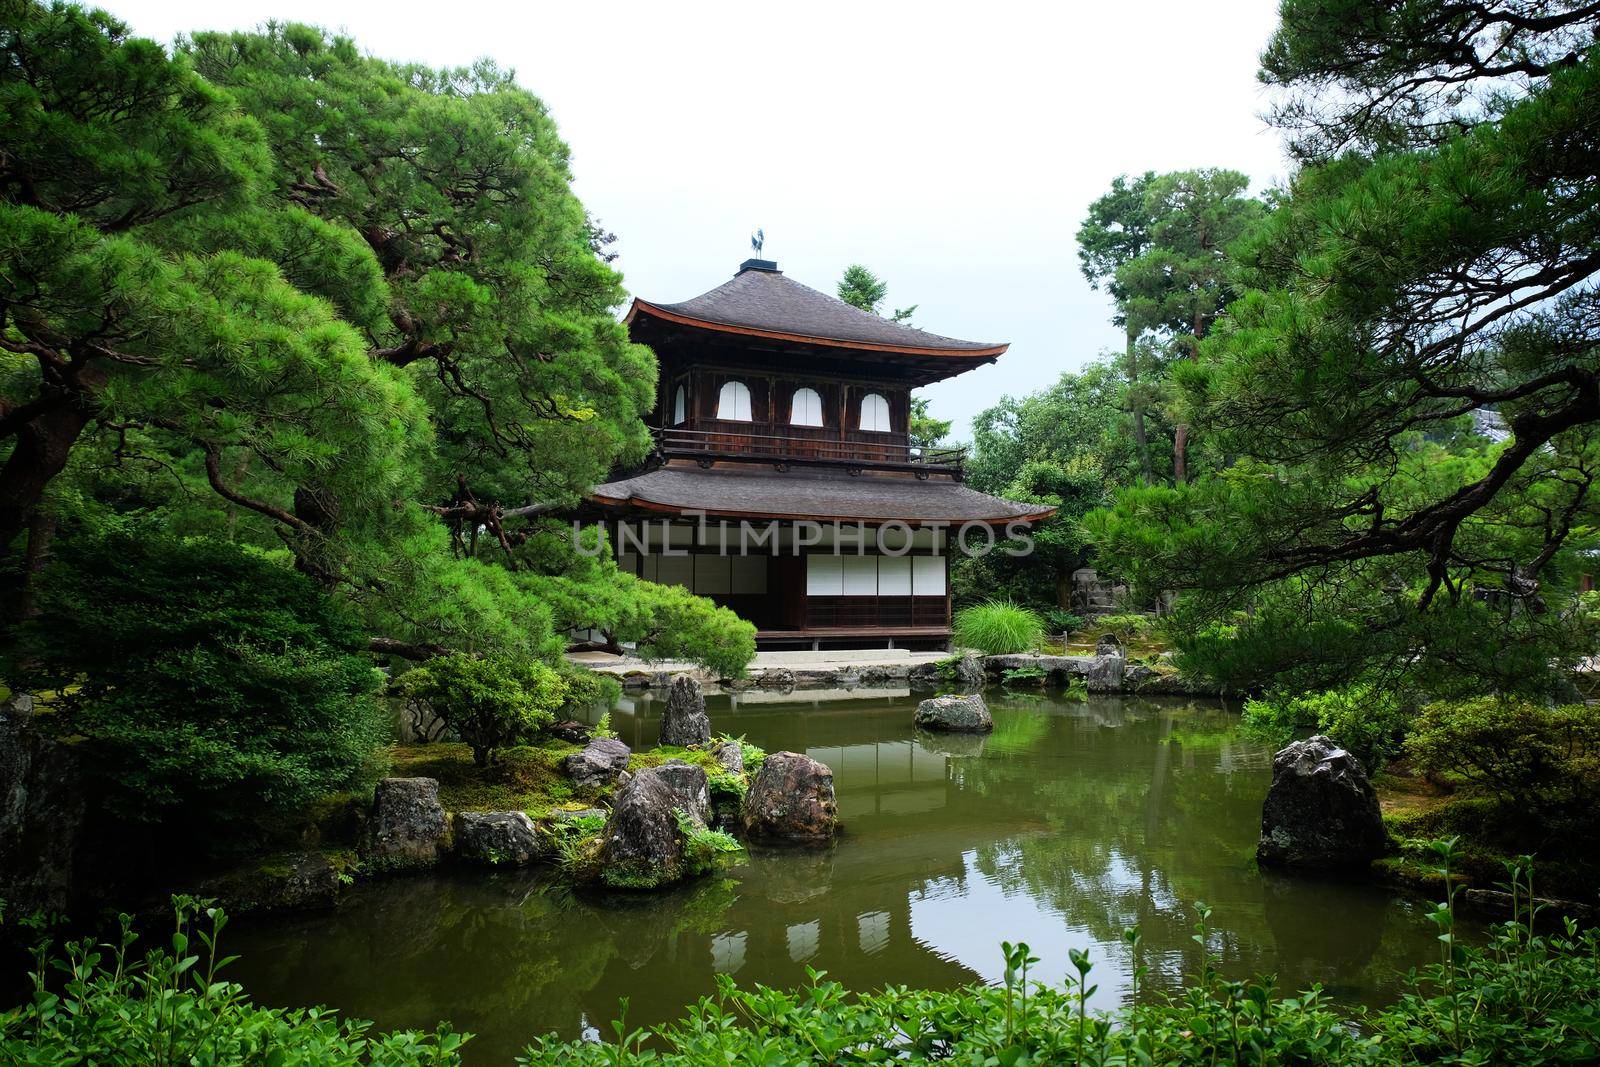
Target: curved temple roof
pixel 751 492
pixel 761 301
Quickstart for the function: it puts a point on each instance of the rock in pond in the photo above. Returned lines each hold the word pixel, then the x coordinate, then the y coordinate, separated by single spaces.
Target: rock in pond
pixel 791 799
pixel 497 838
pixel 685 721
pixel 300 881
pixel 408 828
pixel 1320 812
pixel 1105 674
pixel 958 714
pixel 599 764
pixel 969 672
pixel 642 845
pixel 44 808
pixel 729 756
pixel 689 784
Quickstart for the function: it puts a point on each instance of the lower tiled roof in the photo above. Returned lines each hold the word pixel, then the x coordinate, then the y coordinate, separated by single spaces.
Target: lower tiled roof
pixel 754 491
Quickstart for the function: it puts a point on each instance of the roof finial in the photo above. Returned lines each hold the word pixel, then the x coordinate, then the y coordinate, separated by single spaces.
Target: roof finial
pixel 757 240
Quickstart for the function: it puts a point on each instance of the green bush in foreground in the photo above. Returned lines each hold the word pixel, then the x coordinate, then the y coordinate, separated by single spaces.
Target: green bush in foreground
pixel 998 627
pixel 1519 999
pixel 170 1006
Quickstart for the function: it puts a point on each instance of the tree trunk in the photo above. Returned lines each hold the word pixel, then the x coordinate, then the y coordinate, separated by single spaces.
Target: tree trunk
pixel 41 452
pixel 1180 453
pixel 1140 441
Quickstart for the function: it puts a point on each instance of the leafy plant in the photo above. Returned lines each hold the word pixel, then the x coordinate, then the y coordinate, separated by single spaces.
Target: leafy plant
pixel 1370 721
pixel 490 702
pixel 1125 625
pixel 1062 621
pixel 1023 676
pixel 170 1005
pixel 998 627
pixel 1076 690
pixel 1537 759
pixel 704 849
pixel 205 679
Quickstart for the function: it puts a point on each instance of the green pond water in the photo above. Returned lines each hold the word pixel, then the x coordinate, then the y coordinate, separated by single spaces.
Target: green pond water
pixel 1069 823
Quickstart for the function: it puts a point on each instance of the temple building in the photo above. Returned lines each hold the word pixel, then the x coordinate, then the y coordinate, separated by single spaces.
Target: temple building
pixel 785 484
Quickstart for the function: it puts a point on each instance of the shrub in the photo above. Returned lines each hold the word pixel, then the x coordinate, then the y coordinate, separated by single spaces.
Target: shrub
pixel 586 690
pixel 1369 721
pixel 170 1006
pixel 207 680
pixel 1062 621
pixel 1125 625
pixel 998 627
pixel 490 702
pixel 1537 759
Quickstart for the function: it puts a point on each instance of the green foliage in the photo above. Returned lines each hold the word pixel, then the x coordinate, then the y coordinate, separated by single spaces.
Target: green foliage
pixel 207 680
pixel 1370 721
pixel 170 1005
pixel 1543 761
pixel 998 627
pixel 1023 676
pixel 926 431
pixel 704 849
pixel 489 702
pixel 1125 625
pixel 285 293
pixel 1062 621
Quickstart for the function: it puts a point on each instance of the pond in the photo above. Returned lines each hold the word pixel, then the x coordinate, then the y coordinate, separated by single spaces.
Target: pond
pixel 1071 822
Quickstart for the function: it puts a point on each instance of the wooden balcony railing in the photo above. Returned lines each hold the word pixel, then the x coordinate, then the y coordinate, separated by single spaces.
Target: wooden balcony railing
pixel 726 444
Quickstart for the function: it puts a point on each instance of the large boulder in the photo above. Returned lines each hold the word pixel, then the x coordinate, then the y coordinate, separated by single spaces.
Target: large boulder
pixel 690 786
pixel 642 844
pixel 791 799
pixel 685 721
pixel 43 812
pixel 957 714
pixel 408 828
pixel 497 838
pixel 1320 811
pixel 1105 674
pixel 599 764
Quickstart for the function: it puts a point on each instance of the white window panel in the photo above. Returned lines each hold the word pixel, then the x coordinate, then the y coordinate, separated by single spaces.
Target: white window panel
pixel 860 575
pixel 733 402
pixel 927 576
pixel 680 407
pixel 675 570
pixel 894 575
pixel 712 574
pixel 749 574
pixel 824 576
pixel 806 408
pixel 874 413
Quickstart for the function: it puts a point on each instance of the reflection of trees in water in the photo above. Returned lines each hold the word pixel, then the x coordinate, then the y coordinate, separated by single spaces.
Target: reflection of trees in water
pixel 1157 808
pixel 506 957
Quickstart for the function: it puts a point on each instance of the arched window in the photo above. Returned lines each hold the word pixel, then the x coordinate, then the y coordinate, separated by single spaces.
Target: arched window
pixel 874 413
pixel 734 401
pixel 806 408
pixel 679 407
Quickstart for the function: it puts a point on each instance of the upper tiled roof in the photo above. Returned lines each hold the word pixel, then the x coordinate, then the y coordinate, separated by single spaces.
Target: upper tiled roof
pixel 812 494
pixel 768 302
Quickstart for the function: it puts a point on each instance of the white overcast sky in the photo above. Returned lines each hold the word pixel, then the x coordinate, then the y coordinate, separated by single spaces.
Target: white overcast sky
pixel 953 148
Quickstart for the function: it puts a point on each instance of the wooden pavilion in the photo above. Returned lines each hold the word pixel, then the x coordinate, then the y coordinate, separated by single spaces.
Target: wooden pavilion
pixel 784 484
